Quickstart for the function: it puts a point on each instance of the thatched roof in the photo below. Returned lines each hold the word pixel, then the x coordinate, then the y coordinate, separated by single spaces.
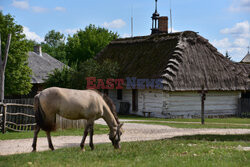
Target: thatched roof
pixel 42 66
pixel 184 60
pixel 246 59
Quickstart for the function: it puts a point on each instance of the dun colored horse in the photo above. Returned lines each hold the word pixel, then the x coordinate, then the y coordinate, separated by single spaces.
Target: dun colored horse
pixel 75 104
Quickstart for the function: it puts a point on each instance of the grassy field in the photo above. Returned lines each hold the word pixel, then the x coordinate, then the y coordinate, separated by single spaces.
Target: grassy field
pixel 207 120
pixel 205 151
pixel 196 126
pixel 98 129
pixel 225 123
pixel 238 123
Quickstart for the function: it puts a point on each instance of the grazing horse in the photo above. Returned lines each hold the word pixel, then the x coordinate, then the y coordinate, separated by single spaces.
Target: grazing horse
pixel 75 104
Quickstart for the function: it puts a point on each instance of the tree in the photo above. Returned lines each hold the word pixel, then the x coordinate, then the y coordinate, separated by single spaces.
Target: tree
pixel 71 78
pixel 31 44
pixel 87 43
pixel 54 45
pixel 17 74
pixel 3 63
pixel 54 39
pixel 65 78
pixel 106 69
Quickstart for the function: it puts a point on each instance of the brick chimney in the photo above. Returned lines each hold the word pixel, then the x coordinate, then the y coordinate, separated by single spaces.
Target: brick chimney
pixel 163 24
pixel 38 50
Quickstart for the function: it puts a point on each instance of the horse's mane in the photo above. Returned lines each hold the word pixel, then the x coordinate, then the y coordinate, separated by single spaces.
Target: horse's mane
pixel 111 105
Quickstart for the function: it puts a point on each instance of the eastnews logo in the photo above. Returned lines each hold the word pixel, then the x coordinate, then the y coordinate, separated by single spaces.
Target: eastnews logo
pixel 131 83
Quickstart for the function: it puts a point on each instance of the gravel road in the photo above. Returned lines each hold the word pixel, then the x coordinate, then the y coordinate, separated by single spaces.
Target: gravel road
pixel 133 132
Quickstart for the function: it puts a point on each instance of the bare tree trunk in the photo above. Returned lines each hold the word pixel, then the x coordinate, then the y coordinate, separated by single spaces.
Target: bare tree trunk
pixel 3 62
pixel 2 85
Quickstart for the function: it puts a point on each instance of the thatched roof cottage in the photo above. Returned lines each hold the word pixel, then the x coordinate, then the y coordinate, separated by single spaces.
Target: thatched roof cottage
pixel 185 61
pixel 41 65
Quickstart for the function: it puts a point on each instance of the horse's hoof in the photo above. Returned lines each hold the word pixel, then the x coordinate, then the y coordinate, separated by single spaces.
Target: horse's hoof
pixel 83 149
pixel 33 151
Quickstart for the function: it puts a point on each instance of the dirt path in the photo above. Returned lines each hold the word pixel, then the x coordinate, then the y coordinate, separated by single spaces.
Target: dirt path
pixel 133 132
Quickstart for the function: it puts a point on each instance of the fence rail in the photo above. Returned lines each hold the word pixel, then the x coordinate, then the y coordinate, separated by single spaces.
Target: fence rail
pixel 17 117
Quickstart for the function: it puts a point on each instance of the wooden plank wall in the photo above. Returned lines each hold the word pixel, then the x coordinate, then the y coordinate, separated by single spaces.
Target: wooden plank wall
pixel 188 104
pixel 181 104
pixel 150 100
pixel 126 97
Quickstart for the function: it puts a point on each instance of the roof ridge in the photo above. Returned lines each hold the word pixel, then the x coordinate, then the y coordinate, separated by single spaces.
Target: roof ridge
pixel 174 63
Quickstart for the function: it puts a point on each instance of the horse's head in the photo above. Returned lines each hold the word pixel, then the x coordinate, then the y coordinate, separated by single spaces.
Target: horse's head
pixel 115 137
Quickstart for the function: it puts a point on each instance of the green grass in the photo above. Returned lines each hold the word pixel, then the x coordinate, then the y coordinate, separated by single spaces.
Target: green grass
pixel 181 151
pixel 98 129
pixel 225 123
pixel 207 120
pixel 196 126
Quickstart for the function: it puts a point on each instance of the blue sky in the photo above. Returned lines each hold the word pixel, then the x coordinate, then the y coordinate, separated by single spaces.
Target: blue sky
pixel 225 23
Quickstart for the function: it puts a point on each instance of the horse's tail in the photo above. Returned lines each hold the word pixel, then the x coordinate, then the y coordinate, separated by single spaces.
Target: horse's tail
pixel 111 105
pixel 41 117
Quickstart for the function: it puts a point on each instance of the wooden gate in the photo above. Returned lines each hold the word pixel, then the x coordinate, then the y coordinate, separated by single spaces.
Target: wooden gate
pixel 244 107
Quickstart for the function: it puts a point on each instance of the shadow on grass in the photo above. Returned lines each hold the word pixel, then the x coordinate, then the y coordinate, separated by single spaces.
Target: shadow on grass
pixel 245 137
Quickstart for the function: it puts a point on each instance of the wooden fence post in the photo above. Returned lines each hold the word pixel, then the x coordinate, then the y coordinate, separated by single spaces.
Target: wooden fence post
pixel 203 98
pixel 4 118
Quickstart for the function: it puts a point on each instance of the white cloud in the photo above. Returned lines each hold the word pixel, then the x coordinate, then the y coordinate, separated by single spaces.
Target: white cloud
pixel 223 43
pixel 240 5
pixel 118 23
pixel 25 5
pixel 126 35
pixel 60 9
pixel 237 53
pixel 38 9
pixel 31 35
pixel 241 29
pixel 70 31
pixel 241 42
pixel 237 40
pixel 20 4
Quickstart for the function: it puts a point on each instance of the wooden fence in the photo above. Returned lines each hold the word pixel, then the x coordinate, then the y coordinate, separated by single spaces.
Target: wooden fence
pixel 244 107
pixel 21 120
pixel 18 115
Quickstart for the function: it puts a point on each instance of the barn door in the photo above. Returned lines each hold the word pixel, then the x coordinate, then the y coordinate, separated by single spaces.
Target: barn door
pixel 134 100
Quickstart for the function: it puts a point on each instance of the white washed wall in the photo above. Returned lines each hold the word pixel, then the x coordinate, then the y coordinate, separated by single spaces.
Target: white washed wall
pixel 126 97
pixel 188 104
pixel 180 104
pixel 150 100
